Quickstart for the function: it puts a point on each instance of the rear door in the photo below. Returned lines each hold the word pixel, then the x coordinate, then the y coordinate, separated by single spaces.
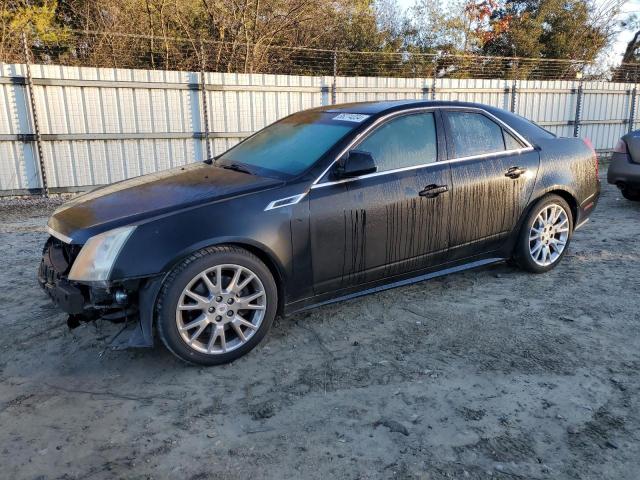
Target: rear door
pixel 493 171
pixel 379 225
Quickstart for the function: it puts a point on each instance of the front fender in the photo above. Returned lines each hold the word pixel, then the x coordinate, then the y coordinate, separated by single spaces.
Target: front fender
pixel 247 243
pixel 157 245
pixel 142 334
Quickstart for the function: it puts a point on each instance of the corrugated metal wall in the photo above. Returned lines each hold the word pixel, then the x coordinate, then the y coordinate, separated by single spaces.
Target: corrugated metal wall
pixel 551 104
pixel 606 112
pixel 101 125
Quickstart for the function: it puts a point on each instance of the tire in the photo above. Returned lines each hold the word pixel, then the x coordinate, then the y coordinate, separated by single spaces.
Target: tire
pixel 554 237
pixel 205 323
pixel 632 194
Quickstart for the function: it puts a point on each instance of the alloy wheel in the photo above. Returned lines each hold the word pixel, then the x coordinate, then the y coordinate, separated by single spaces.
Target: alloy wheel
pixel 220 309
pixel 549 234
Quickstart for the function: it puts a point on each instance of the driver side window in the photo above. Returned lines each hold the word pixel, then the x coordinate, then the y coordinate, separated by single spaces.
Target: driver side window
pixel 404 141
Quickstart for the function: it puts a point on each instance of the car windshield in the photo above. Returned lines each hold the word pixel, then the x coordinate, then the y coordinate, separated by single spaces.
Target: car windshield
pixel 290 146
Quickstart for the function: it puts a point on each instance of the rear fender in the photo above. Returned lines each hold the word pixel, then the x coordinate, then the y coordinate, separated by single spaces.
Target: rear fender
pixel 560 190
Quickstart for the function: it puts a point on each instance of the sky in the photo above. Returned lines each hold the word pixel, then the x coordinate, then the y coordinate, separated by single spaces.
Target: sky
pixel 617 49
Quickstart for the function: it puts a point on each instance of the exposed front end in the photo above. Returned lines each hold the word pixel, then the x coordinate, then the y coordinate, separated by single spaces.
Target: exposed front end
pixel 57 258
pixel 75 277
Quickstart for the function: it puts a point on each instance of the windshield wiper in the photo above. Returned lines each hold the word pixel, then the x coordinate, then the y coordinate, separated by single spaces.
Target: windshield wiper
pixel 238 168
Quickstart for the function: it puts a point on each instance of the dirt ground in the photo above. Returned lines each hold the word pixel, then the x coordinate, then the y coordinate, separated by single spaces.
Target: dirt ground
pixel 491 373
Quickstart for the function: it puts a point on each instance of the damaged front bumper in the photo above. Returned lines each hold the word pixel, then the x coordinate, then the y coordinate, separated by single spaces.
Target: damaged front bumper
pixel 130 301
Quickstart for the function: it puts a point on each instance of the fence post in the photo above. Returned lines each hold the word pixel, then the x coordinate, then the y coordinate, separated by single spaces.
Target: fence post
pixel 434 75
pixel 514 87
pixel 334 88
pixel 634 96
pixel 578 116
pixel 632 110
pixel 514 95
pixel 205 110
pixel 34 117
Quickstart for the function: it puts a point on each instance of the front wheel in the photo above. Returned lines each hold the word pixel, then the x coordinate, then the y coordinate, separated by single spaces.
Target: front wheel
pixel 545 235
pixel 216 305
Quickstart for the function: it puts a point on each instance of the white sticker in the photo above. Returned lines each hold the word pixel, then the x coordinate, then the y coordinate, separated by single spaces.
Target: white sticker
pixel 351 117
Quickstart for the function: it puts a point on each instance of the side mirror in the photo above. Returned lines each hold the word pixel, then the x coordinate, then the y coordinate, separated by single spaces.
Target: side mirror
pixel 356 163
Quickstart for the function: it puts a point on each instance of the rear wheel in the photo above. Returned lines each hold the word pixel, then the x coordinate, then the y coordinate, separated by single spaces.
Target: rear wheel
pixel 632 194
pixel 545 235
pixel 216 305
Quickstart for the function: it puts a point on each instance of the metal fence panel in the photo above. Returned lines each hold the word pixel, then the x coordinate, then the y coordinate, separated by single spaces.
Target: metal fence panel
pixel 101 125
pixel 488 91
pixel 18 164
pixel 240 104
pixel 123 102
pixel 369 89
pixel 551 104
pixel 605 112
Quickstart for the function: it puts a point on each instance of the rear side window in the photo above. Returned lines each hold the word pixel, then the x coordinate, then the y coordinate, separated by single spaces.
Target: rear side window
pixel 474 134
pixel 510 142
pixel 404 141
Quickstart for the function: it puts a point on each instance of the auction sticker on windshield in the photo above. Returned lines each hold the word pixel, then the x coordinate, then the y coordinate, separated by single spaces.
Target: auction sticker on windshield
pixel 351 117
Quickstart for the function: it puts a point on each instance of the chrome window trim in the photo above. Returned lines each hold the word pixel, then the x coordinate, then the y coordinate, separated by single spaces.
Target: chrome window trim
pixel 425 165
pixel 292 200
pixel 58 235
pixel 492 154
pixel 527 148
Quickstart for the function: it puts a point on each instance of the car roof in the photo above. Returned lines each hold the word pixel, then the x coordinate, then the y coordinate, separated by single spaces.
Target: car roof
pixel 524 126
pixel 373 108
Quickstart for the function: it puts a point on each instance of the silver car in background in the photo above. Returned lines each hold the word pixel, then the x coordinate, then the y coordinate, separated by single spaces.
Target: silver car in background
pixel 624 170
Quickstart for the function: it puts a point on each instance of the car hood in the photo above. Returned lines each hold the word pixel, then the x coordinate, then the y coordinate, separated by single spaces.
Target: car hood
pixel 139 198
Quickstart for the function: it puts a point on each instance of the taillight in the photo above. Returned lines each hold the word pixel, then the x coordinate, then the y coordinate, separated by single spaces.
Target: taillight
pixel 621 147
pixel 588 143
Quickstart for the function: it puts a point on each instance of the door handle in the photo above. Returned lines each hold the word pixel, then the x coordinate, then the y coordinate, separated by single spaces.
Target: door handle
pixel 515 172
pixel 433 190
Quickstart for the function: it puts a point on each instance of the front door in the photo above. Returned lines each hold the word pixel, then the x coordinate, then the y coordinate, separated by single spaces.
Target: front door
pixel 493 174
pixel 380 225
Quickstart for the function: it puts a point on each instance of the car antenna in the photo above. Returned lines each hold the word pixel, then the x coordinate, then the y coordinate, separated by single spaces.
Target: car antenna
pixel 209 161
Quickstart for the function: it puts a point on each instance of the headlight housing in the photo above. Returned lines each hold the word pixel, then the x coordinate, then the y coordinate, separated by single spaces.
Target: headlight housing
pixel 97 257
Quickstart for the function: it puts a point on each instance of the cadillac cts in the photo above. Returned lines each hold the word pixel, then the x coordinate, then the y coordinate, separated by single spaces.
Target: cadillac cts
pixel 323 205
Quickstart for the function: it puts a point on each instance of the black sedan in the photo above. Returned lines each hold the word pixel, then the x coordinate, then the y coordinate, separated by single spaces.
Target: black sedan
pixel 624 169
pixel 324 205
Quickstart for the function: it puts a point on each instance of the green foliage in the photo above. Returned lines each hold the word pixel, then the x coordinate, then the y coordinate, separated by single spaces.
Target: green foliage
pixel 37 20
pixel 562 29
